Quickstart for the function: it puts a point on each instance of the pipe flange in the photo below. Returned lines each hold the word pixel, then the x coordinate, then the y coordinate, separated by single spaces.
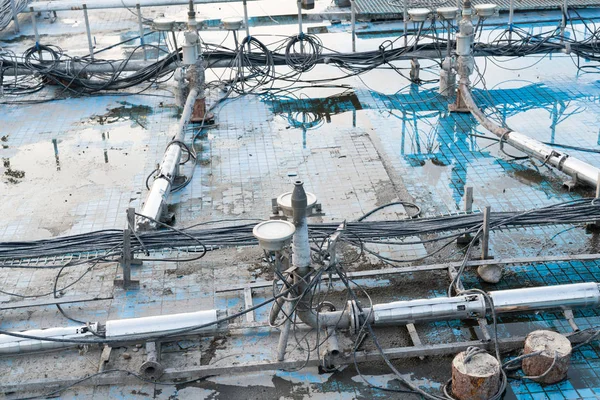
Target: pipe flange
pixel 326 306
pixel 151 370
pixel 353 312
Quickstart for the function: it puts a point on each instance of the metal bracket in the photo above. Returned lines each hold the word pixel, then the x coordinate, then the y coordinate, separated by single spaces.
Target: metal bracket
pixel 483 325
pixel 104 357
pixel 414 336
pixel 459 104
pixel 332 243
pixel 568 313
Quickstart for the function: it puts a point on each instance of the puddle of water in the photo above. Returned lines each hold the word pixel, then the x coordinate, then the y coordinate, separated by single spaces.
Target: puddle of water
pixel 62 174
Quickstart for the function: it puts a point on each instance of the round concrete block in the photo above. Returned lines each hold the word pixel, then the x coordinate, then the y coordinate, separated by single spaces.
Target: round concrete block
pixel 549 343
pixel 477 379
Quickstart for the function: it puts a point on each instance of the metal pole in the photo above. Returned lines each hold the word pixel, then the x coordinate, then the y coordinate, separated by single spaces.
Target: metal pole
pixel 126 258
pixel 35 32
pixel 141 27
pixel 246 18
pixel 405 20
pixel 486 233
pixel 88 31
pixel 353 21
pixel 468 199
pixel 174 35
pixel 511 13
pixel 285 332
pixel 563 23
pixel 598 187
pixel 300 16
pixel 15 15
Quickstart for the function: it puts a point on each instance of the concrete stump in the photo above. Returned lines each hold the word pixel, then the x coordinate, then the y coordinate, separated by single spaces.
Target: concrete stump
pixel 477 379
pixel 548 343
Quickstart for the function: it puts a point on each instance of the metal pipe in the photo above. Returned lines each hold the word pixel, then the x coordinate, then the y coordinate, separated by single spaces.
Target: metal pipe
pixel 35 30
pixel 485 239
pixel 353 22
pixel 161 187
pixel 579 295
pixel 65 5
pixel 511 14
pixel 88 31
pixel 15 15
pixel 285 332
pixel 139 328
pixel 246 23
pixel 141 28
pixel 152 368
pixel 423 310
pixel 300 17
pixel 11 344
pixel 125 330
pixel 579 170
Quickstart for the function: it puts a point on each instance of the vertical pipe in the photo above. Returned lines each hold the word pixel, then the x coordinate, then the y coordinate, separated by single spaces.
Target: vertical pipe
pixel 353 22
pixel 598 187
pixel 35 30
pixel 563 23
pixel 511 13
pixel 300 243
pixel 486 233
pixel 300 17
pixel 88 31
pixel 36 33
pixel 15 15
pixel 285 332
pixel 174 35
pixel 246 18
pixel 405 25
pixel 448 47
pixel 141 28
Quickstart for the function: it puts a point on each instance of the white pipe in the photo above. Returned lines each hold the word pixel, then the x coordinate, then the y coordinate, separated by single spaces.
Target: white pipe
pixel 580 171
pixel 133 328
pixel 11 344
pixel 64 5
pixel 124 330
pixel 161 187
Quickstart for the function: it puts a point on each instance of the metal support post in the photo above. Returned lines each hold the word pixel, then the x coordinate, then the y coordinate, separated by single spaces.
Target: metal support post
pixel 511 13
pixel 35 31
pixel 88 31
pixel 246 24
pixel 563 23
pixel 127 257
pixel 353 22
pixel 288 309
pixel 141 28
pixel 405 23
pixel 300 17
pixel 485 241
pixel 15 15
pixel 468 199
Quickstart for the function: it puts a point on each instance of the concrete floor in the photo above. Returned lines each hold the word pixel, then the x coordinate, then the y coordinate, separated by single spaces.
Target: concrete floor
pixel 75 165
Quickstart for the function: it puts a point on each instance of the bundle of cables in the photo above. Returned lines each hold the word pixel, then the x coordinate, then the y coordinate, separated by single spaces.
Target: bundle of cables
pixel 6 11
